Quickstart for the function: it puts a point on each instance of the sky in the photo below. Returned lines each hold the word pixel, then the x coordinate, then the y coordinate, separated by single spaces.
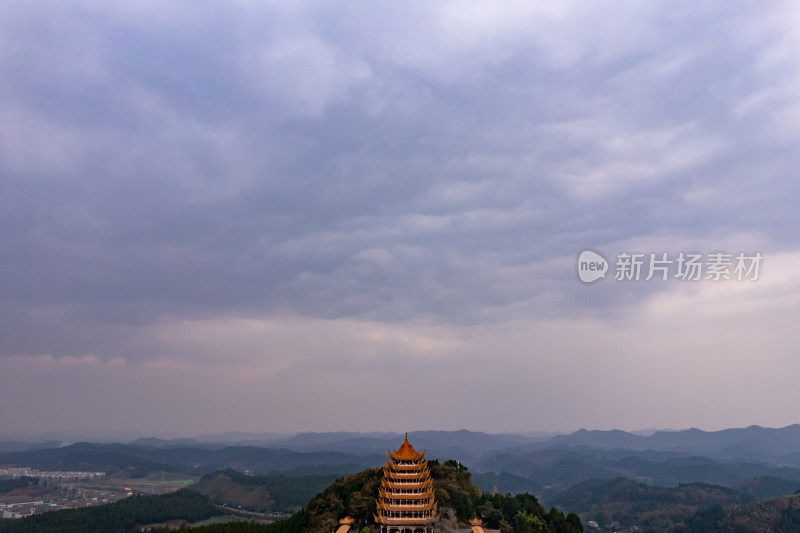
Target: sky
pixel 367 216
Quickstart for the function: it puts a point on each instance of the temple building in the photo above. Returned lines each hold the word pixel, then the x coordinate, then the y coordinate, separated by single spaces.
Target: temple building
pixel 405 502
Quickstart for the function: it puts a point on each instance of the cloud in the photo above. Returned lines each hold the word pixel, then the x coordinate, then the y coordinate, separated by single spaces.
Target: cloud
pixel 554 374
pixel 180 182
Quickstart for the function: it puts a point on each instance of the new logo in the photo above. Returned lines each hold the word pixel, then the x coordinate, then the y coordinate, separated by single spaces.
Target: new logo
pixel 591 266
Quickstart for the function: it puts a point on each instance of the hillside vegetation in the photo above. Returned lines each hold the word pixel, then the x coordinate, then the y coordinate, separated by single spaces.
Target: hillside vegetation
pixel 648 507
pixel 276 493
pixel 781 515
pixel 766 487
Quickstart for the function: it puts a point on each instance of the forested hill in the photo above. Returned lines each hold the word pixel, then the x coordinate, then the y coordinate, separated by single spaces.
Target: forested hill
pixel 648 507
pixel 284 494
pixel 458 500
pixel 355 495
pixel 781 515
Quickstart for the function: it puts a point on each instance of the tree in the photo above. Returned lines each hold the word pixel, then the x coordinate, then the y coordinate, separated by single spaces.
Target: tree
pixel 527 523
pixel 574 521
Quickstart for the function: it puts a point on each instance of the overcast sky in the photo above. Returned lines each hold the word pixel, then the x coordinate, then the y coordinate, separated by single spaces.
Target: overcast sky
pixel 291 216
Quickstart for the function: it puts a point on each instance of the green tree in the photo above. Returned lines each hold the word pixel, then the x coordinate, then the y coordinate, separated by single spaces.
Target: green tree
pixel 575 522
pixel 527 523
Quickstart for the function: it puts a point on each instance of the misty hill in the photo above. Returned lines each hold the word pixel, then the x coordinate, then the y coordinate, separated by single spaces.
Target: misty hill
pixel 507 463
pixel 141 460
pixel 767 487
pixel 327 440
pixel 239 437
pixel 781 515
pixel 779 446
pixel 19 446
pixel 553 470
pixel 504 482
pixel 776 446
pixel 338 452
pixel 466 445
pixel 648 507
pixel 174 443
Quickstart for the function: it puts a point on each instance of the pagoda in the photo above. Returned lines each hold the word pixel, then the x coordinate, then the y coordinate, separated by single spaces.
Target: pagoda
pixel 405 502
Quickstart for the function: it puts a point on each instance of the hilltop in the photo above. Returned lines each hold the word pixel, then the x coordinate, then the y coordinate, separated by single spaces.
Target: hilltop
pixel 458 500
pixel 354 495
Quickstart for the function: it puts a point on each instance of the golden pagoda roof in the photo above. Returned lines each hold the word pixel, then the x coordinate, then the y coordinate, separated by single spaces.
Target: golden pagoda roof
pixel 406 452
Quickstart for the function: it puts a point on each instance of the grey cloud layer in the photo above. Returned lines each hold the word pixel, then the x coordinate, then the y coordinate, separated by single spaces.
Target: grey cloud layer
pixel 388 163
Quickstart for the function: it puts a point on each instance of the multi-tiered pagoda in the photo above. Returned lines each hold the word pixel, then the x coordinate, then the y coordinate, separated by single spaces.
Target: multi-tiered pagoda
pixel 405 502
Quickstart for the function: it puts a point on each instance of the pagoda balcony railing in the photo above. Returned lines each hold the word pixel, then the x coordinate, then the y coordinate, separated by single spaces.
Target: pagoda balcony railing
pixel 407 507
pixel 401 517
pixel 399 521
pixel 406 479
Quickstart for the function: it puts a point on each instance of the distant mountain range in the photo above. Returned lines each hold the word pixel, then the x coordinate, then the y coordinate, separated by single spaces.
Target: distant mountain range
pixel 779 446
pixel 653 479
pixel 542 464
pixel 138 460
